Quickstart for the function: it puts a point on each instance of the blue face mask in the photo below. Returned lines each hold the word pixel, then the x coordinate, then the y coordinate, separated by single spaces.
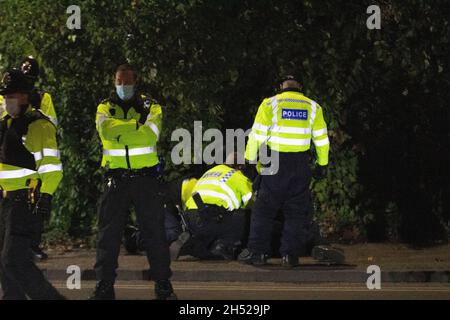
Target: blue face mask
pixel 125 92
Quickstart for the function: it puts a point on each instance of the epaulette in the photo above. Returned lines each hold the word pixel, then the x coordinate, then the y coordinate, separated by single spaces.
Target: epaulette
pixel 148 101
pixel 36 115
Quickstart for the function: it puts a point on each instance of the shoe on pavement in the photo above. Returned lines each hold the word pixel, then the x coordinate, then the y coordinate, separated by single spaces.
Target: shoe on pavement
pixel 248 257
pixel 164 290
pixel 104 290
pixel 289 261
pixel 38 254
pixel 223 251
pixel 328 254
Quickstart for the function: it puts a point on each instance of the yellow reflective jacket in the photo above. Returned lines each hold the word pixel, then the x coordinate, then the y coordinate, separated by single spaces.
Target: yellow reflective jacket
pixel 48 108
pixel 187 187
pixel 223 186
pixel 36 154
pixel 288 122
pixel 127 144
pixel 2 106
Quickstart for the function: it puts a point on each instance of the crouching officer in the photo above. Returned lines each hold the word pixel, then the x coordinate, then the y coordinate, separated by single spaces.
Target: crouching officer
pixel 30 171
pixel 215 215
pixel 129 127
pixel 286 123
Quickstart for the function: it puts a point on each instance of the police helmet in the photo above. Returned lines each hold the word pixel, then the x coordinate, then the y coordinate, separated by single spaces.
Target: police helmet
pixel 15 81
pixel 30 67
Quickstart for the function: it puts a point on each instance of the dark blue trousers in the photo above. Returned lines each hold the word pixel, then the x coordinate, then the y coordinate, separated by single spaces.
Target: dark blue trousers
pixel 288 191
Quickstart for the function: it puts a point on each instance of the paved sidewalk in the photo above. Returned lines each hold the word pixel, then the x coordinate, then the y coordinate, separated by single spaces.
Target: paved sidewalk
pixel 398 263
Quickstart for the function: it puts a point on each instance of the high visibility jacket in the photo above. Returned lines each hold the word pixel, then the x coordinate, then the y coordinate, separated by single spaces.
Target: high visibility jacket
pixel 39 100
pixel 48 108
pixel 2 106
pixel 223 186
pixel 187 187
pixel 127 144
pixel 29 151
pixel 288 122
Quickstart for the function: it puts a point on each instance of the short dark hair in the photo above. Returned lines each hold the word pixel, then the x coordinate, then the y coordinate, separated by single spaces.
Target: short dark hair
pixel 126 67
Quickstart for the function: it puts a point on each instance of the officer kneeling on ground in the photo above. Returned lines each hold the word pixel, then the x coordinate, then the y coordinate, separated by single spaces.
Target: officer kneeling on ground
pixel 215 213
pixel 177 229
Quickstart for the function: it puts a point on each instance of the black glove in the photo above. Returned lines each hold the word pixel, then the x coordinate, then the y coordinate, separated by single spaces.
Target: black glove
pixel 144 115
pixel 320 172
pixel 256 183
pixel 43 205
pixel 249 170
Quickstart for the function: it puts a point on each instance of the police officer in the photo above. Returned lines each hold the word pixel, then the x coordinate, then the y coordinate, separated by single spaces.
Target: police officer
pixel 286 123
pixel 42 101
pixel 129 126
pixel 215 212
pixel 30 171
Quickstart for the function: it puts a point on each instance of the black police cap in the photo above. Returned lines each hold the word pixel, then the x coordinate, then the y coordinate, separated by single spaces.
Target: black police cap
pixel 15 81
pixel 30 67
pixel 288 77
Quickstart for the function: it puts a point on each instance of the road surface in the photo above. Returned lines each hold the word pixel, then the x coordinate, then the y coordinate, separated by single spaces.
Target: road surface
pixel 141 290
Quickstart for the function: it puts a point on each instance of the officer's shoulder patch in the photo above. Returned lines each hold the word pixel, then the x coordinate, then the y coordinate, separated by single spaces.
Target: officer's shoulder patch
pixel 148 101
pixel 314 103
pixel 269 100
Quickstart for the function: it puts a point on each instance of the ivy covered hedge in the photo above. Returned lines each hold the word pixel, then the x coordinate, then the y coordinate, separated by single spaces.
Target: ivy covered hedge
pixel 385 93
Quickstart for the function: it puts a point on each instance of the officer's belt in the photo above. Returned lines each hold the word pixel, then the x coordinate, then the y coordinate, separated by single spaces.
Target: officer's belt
pixel 131 173
pixel 208 211
pixel 22 194
pixel 208 207
pixel 198 201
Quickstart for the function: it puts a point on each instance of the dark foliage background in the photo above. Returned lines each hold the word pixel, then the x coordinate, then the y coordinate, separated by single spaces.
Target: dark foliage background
pixel 385 94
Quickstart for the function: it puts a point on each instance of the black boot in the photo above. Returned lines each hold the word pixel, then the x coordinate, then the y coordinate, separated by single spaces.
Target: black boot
pixel 223 251
pixel 164 290
pixel 47 292
pixel 249 257
pixel 104 290
pixel 38 254
pixel 328 254
pixel 289 261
